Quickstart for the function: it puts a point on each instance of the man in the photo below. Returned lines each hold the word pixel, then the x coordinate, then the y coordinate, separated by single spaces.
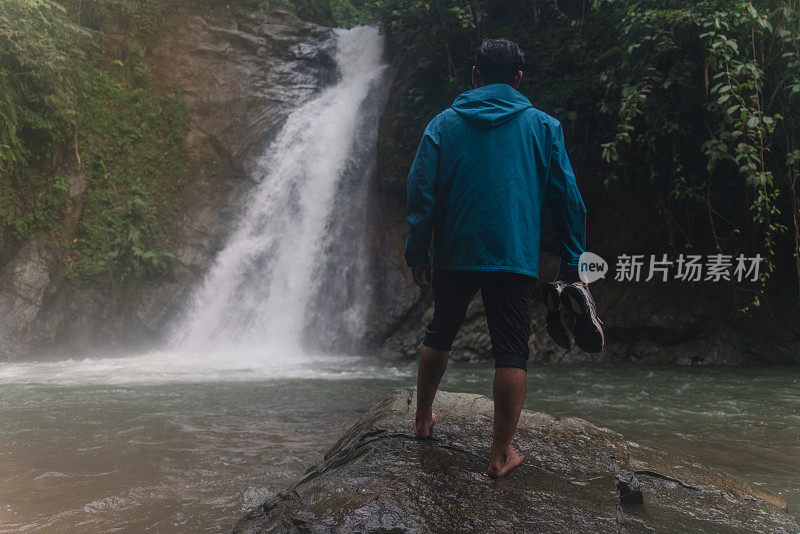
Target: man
pixel 484 170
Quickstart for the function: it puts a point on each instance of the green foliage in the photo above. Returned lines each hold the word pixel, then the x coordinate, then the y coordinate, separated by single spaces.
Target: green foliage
pixel 40 212
pixel 38 53
pixel 136 19
pixel 38 91
pixel 133 162
pixel 681 116
pixel 741 128
pixel 342 13
pixel 76 99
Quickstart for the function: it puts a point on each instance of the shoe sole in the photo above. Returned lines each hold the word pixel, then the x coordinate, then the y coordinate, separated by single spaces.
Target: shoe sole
pixel 587 332
pixel 554 325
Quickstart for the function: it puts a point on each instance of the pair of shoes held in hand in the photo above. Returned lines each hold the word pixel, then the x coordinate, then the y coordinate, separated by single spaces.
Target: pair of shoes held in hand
pixel 571 313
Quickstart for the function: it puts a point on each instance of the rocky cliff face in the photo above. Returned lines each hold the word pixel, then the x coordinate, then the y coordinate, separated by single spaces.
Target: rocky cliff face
pixel 241 76
pixel 576 478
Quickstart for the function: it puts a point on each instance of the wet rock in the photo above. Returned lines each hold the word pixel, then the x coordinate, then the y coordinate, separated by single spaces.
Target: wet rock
pixel 242 76
pixel 378 478
pixel 24 281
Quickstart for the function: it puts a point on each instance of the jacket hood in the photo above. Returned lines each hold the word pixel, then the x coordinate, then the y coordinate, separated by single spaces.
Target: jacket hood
pixel 490 105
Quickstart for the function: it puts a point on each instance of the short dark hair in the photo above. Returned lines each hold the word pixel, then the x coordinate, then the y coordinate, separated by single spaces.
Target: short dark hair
pixel 499 60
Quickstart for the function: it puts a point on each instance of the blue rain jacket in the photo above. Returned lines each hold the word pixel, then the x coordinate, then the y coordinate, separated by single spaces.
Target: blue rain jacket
pixel 484 171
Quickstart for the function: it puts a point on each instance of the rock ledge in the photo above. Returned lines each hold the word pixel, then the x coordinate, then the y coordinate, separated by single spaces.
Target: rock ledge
pixel 378 478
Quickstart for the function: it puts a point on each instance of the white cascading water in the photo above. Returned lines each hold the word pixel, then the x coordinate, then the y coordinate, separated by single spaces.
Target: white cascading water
pixel 255 297
pixel 296 256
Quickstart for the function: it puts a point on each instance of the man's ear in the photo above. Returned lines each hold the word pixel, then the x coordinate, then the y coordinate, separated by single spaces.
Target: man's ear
pixel 476 77
pixel 517 80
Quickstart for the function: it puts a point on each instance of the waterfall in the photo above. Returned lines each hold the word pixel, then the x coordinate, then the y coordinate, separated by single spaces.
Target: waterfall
pixel 286 297
pixel 292 274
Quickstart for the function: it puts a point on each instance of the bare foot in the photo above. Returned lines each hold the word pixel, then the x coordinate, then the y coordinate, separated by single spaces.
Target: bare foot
pixel 505 463
pixel 422 429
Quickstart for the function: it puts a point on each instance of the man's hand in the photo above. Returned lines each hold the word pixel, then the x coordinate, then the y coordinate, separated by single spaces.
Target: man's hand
pixel 422 275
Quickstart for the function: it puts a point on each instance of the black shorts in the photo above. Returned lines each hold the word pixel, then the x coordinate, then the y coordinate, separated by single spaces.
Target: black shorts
pixel 505 297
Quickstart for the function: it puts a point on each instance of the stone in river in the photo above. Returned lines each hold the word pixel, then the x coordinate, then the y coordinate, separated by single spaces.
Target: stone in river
pixel 378 478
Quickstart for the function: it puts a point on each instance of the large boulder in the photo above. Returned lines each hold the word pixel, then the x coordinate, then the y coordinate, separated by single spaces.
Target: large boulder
pixel 378 478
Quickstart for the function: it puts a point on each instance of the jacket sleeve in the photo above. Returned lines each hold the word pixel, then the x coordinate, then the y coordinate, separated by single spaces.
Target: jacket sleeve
pixel 421 200
pixel 566 206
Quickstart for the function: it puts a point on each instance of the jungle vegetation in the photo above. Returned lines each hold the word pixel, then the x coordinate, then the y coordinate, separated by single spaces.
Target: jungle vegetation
pixel 682 117
pixel 76 101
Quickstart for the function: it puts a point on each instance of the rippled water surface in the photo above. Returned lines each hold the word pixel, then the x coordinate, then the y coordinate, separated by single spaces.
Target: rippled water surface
pixel 89 446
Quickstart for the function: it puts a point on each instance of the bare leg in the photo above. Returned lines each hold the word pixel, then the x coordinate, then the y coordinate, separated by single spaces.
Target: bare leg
pixel 509 394
pixel 432 363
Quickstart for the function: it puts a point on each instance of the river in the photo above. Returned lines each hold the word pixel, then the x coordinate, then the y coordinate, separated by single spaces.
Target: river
pixel 82 450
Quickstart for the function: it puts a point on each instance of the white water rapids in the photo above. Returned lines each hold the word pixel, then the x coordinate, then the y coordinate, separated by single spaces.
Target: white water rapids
pixel 296 256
